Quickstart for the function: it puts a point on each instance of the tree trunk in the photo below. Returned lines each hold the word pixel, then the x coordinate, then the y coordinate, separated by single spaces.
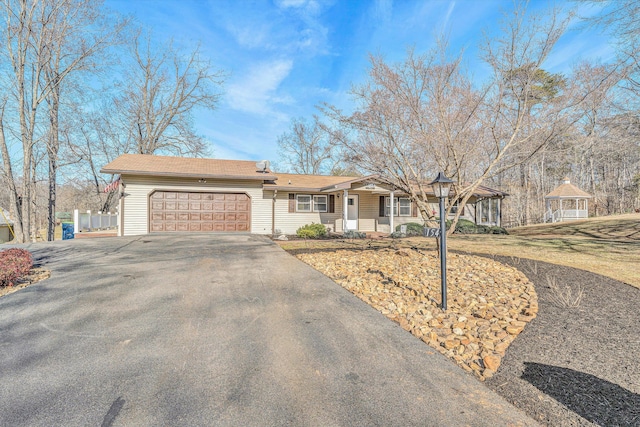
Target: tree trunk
pixel 52 151
pixel 13 192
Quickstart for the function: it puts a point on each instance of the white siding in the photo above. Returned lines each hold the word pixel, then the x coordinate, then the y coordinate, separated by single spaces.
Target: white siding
pixel 135 216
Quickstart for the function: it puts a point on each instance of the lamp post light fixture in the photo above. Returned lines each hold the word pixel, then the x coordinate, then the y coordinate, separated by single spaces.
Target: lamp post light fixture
pixel 441 186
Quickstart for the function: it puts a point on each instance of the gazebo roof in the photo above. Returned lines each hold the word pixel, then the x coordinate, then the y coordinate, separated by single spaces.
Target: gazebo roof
pixel 566 190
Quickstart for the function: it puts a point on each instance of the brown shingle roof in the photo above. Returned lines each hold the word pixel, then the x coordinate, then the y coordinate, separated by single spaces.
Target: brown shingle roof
pixel 143 164
pixel 567 191
pixel 290 181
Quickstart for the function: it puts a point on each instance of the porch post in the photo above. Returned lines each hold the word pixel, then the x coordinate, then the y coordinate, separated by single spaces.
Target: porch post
pixel 391 212
pixel 561 214
pixel 345 206
pixel 586 208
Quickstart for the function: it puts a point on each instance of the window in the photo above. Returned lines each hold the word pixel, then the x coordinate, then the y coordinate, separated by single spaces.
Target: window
pixel 309 203
pixel 454 208
pixel 402 203
pixel 319 203
pixel 303 203
pixel 405 206
pixel 489 211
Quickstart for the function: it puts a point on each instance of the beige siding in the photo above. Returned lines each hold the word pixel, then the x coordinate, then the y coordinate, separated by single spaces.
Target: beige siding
pixel 288 223
pixel 138 188
pixel 5 234
pixel 370 211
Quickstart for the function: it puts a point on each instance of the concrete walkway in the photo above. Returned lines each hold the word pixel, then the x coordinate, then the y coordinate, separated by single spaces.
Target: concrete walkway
pixel 216 330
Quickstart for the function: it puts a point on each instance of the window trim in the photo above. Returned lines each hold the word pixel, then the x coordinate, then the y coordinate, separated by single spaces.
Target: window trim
pixel 298 202
pixel 326 203
pixel 312 202
pixel 396 206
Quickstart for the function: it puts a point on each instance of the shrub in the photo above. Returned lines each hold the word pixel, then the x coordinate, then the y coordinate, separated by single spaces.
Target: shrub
pixel 497 230
pixel 14 265
pixel 352 234
pixel 413 229
pixel 312 231
pixel 464 226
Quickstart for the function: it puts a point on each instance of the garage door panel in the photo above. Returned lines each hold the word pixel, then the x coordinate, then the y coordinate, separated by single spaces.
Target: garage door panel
pixel 193 211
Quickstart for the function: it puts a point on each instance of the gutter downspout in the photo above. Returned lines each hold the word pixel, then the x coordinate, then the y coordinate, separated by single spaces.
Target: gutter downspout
pixel 273 214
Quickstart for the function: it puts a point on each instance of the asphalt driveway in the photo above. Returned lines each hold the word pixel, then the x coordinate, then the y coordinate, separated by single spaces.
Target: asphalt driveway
pixel 215 330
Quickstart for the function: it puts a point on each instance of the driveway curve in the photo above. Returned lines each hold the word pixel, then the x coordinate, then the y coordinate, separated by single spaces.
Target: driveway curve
pixel 216 330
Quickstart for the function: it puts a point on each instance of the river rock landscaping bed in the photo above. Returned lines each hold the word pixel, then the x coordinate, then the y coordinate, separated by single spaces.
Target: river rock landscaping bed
pixel 489 303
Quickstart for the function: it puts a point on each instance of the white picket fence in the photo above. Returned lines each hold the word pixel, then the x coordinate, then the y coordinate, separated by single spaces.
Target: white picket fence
pixel 87 221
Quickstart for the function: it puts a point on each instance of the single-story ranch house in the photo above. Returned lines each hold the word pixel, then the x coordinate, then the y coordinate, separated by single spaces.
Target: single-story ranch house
pixel 165 194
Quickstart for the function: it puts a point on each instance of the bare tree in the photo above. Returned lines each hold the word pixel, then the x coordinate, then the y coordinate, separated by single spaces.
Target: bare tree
pixel 161 90
pixel 426 114
pixel 308 148
pixel 45 42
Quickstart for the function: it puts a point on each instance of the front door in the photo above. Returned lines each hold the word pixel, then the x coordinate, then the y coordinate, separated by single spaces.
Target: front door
pixel 352 212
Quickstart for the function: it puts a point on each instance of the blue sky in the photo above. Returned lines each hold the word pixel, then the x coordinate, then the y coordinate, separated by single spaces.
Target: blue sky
pixel 284 57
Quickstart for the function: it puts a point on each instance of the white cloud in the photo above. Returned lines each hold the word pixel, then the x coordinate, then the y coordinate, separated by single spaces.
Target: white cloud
pixel 383 10
pixel 309 6
pixel 255 36
pixel 257 91
pixel 445 23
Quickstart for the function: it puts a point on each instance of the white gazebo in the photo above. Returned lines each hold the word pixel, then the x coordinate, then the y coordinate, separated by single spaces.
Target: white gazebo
pixel 566 203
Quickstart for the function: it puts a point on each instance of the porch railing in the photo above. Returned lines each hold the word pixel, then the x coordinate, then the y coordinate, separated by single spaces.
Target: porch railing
pixel 565 215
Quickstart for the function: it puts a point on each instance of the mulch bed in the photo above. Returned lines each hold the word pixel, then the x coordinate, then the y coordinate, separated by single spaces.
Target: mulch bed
pixel 35 275
pixel 577 362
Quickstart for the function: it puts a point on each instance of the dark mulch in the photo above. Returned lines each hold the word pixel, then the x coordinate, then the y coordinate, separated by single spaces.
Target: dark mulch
pixel 575 365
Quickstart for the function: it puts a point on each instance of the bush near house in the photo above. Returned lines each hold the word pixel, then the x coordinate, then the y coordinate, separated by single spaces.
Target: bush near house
pixel 14 265
pixel 352 234
pixel 413 229
pixel 312 231
pixel 465 226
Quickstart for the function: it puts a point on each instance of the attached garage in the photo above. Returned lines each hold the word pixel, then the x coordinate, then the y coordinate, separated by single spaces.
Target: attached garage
pixel 199 211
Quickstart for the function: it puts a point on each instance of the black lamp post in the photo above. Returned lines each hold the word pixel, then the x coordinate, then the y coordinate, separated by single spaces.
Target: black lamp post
pixel 441 186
